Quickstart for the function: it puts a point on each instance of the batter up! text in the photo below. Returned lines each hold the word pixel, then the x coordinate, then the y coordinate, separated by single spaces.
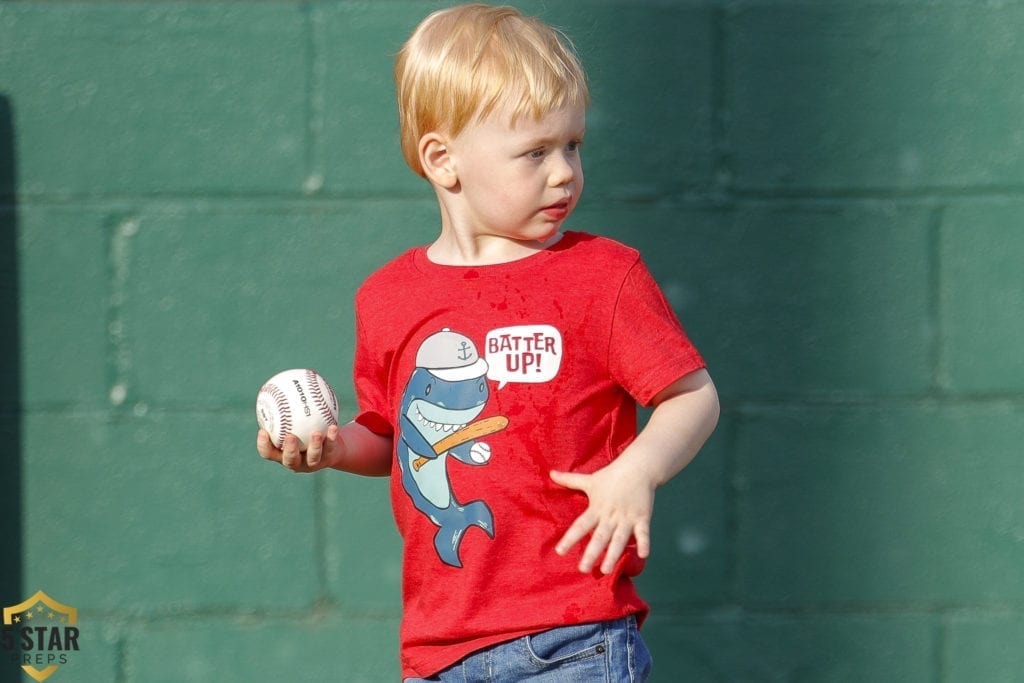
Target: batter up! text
pixel 522 353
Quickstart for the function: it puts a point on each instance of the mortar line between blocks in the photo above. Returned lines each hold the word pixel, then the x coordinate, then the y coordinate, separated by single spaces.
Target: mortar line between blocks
pixel 122 231
pixel 941 649
pixel 720 103
pixel 320 537
pixel 734 492
pixel 121 661
pixel 937 350
pixel 316 81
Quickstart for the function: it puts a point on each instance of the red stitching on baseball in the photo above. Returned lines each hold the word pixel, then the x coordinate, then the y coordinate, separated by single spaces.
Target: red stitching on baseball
pixel 319 399
pixel 284 413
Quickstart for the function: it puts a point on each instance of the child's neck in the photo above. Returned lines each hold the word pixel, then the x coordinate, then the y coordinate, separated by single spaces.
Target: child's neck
pixel 483 250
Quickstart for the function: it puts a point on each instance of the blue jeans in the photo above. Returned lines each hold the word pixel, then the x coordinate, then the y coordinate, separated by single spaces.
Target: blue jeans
pixel 610 651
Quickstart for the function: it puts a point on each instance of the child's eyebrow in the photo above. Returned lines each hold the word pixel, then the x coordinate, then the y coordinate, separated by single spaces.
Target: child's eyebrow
pixel 546 140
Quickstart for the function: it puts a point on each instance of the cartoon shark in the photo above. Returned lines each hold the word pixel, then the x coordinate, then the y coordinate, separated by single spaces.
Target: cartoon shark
pixel 447 391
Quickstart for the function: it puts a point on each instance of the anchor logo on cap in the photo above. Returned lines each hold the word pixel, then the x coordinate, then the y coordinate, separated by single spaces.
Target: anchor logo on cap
pixel 451 356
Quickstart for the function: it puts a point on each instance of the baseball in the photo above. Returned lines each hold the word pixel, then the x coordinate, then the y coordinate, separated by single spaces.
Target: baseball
pixel 297 402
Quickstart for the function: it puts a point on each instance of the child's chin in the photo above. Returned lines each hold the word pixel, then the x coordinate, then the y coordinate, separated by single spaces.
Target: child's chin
pixel 548 237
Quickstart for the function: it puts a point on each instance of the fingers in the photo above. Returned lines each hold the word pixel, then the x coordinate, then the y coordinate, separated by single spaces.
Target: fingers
pixel 570 480
pixel 583 525
pixel 610 539
pixel 612 549
pixel 322 449
pixel 291 456
pixel 314 450
pixel 265 448
pixel 610 526
pixel 642 533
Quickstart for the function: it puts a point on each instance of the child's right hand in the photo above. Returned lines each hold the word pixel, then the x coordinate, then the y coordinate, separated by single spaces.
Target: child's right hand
pixel 349 447
pixel 323 449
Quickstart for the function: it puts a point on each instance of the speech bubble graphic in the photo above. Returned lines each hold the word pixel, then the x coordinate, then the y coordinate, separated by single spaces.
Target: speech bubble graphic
pixel 523 353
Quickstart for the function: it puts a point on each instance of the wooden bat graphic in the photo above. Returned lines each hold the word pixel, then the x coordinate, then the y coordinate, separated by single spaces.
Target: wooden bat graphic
pixel 475 430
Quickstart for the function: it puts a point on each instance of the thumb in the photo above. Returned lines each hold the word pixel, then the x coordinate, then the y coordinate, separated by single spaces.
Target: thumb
pixel 572 480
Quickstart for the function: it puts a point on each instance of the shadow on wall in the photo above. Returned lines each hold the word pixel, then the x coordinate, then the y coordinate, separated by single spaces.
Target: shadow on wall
pixel 10 382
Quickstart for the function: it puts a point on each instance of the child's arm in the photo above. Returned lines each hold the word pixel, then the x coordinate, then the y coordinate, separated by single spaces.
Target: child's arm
pixel 621 494
pixel 351 447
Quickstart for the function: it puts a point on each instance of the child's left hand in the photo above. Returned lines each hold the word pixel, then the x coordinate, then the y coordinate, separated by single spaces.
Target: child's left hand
pixel 621 493
pixel 621 504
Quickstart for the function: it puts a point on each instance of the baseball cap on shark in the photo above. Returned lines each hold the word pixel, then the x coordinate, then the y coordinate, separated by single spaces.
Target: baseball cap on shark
pixel 451 356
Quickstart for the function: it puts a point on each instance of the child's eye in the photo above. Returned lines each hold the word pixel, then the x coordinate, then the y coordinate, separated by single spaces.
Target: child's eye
pixel 574 146
pixel 536 154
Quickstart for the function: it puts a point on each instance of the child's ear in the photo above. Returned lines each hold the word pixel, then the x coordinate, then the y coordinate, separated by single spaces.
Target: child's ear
pixel 438 165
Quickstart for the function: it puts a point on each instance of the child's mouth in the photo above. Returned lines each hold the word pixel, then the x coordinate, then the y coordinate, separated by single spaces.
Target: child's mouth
pixel 557 211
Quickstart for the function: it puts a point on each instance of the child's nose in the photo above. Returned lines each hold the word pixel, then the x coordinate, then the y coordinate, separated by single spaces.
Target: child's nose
pixel 563 171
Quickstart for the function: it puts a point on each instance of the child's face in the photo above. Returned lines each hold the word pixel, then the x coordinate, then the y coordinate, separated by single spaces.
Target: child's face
pixel 519 182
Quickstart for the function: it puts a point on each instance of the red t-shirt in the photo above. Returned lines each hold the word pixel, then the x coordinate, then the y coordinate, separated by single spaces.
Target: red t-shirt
pixel 488 378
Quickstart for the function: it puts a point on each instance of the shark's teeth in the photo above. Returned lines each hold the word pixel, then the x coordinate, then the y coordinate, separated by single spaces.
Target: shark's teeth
pixel 438 426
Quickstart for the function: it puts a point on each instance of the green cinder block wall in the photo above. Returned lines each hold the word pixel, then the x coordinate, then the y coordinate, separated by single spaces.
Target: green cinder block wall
pixel 831 194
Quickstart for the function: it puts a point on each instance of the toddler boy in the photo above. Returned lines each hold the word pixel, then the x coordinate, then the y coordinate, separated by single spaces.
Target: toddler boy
pixel 498 371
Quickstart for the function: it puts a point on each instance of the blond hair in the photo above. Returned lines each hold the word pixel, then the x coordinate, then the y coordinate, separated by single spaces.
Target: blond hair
pixel 462 62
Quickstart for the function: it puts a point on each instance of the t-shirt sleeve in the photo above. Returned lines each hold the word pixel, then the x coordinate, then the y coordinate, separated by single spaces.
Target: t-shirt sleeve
pixel 370 379
pixel 649 349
